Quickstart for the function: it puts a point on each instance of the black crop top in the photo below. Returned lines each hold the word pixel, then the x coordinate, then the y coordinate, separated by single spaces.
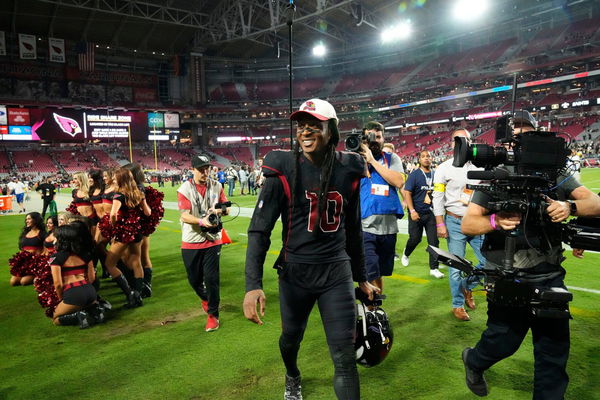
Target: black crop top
pixel 36 242
pixel 97 199
pixel 80 201
pixel 48 244
pixel 123 199
pixel 107 198
pixel 61 257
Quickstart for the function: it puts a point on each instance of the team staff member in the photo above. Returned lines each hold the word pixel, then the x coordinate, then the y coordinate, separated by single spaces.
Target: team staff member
pixel 201 245
pixel 380 204
pixel 451 197
pixel 417 194
pixel 315 191
pixel 47 191
pixel 508 325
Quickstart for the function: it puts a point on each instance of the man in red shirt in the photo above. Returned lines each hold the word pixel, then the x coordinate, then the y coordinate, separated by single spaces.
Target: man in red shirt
pixel 201 239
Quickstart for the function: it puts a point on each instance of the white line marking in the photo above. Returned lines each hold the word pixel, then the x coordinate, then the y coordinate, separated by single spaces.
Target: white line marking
pixel 584 289
pixel 166 220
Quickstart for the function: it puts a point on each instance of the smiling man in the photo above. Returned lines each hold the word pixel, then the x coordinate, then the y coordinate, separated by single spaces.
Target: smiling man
pixel 315 190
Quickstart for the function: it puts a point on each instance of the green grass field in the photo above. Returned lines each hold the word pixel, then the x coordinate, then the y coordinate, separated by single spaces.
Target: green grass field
pixel 160 351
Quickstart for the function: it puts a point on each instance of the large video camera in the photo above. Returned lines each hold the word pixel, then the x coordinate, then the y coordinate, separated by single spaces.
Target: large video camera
pixel 522 173
pixel 215 219
pixel 355 138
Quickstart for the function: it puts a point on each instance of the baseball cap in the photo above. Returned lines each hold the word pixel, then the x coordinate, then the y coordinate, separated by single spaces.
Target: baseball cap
pixel 200 161
pixel 320 109
pixel 524 117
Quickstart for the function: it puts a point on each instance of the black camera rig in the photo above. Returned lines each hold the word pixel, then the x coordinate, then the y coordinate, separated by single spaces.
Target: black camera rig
pixel 512 288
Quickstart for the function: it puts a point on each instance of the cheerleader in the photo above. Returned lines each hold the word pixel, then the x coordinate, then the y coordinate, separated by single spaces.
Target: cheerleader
pixel 31 244
pixel 148 223
pixel 125 221
pixel 51 225
pixel 72 272
pixel 104 226
pixel 96 191
pixel 64 218
pixel 81 197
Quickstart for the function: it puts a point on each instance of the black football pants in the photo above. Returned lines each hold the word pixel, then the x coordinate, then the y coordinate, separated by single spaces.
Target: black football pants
pixel 506 329
pixel 331 287
pixel 202 266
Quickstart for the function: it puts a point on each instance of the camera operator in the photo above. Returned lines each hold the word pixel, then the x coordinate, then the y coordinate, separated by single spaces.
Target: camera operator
pixel 380 204
pixel 508 324
pixel 201 236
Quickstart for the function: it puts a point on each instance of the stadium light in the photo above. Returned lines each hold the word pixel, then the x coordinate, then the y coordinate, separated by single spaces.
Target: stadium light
pixel 396 32
pixel 469 10
pixel 319 50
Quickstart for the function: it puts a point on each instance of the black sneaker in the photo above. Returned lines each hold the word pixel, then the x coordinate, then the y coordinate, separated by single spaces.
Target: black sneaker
pixel 475 380
pixel 82 317
pixel 134 300
pixel 293 389
pixel 146 290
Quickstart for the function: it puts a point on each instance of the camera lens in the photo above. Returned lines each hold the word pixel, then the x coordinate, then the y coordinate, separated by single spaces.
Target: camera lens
pixel 352 143
pixel 213 219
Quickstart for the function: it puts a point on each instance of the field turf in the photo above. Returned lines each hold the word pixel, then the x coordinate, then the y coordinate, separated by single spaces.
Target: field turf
pixel 160 351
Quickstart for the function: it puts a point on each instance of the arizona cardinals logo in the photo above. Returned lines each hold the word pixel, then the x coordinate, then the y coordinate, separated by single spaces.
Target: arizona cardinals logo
pixel 57 49
pixel 310 106
pixel 67 125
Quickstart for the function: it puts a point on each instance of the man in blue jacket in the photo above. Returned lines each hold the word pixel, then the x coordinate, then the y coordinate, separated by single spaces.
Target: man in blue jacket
pixel 380 204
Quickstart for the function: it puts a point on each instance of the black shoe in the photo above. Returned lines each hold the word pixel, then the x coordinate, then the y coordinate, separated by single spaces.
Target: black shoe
pixel 293 389
pixel 134 300
pixel 146 290
pixel 475 380
pixel 82 317
pixel 104 304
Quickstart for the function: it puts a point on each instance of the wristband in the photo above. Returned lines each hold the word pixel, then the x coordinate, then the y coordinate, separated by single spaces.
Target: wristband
pixel 440 224
pixel 200 222
pixel 493 222
pixel 413 210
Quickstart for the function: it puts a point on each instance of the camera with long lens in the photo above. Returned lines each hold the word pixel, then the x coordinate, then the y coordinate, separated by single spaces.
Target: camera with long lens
pixel 354 140
pixel 537 153
pixel 215 219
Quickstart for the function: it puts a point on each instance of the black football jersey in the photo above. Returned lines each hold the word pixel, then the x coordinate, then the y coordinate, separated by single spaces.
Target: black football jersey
pixel 335 235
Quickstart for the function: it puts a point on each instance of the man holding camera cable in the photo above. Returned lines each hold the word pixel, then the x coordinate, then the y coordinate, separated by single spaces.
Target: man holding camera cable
pixel 201 202
pixel 526 291
pixel 380 204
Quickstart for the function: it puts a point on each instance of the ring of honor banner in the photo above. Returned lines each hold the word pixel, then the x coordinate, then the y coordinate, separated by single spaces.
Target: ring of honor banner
pixel 27 47
pixel 56 50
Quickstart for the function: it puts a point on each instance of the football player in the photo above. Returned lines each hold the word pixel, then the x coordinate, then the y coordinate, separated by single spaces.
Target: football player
pixel 315 190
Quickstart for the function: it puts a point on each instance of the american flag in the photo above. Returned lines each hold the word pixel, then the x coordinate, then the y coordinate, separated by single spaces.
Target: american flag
pixel 85 51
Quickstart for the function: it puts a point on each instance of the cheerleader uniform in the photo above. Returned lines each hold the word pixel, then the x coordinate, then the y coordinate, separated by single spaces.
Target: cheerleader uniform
pixel 49 246
pixel 127 229
pixel 80 293
pixel 83 202
pixel 23 263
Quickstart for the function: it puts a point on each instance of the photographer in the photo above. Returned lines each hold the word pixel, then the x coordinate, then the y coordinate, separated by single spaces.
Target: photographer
pixel 201 236
pixel 380 204
pixel 537 261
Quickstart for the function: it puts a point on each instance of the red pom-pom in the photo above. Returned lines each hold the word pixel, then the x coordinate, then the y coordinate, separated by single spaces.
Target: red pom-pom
pixel 72 208
pixel 44 284
pixel 154 199
pixel 21 264
pixel 106 228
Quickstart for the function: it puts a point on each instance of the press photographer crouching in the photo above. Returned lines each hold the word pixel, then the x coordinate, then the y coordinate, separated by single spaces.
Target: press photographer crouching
pixel 519 212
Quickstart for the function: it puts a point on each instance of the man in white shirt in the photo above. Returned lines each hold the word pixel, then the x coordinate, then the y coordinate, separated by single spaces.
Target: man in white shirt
pixel 450 198
pixel 18 189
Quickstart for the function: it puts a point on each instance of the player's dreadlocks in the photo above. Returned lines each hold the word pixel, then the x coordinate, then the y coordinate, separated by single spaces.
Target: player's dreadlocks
pixel 326 168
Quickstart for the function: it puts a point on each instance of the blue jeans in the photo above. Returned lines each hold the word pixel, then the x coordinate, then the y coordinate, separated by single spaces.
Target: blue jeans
pixel 231 186
pixel 457 243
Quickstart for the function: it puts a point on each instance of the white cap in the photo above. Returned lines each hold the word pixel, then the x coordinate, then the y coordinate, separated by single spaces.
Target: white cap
pixel 320 109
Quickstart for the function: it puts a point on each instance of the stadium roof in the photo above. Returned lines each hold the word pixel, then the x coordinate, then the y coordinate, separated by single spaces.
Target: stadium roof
pixel 256 29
